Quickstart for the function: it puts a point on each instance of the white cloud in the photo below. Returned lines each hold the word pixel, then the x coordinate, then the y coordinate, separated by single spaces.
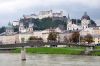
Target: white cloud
pixel 88 3
pixel 13 5
pixel 98 22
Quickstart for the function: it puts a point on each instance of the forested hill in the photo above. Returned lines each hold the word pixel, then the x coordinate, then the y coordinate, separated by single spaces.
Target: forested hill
pixel 45 23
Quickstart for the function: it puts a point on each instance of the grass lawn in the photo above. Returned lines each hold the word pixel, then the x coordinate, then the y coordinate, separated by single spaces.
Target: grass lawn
pixel 67 50
pixel 96 53
pixel 48 50
pixel 98 47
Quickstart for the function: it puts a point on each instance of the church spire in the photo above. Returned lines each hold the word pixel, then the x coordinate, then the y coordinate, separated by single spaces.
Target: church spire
pixel 9 25
pixel 85 13
pixel 68 17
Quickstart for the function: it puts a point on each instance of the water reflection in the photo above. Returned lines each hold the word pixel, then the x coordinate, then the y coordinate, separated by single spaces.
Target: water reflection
pixel 48 60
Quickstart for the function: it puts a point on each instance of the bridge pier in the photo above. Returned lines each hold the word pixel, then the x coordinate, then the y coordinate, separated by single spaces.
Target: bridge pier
pixel 23 54
pixel 88 50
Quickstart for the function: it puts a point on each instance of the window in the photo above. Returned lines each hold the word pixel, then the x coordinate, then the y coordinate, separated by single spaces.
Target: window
pixel 77 28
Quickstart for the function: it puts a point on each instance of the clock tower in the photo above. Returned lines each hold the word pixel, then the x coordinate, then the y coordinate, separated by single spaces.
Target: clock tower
pixel 85 21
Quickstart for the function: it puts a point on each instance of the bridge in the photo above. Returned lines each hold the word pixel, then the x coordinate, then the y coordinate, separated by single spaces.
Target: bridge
pixel 89 47
pixel 41 44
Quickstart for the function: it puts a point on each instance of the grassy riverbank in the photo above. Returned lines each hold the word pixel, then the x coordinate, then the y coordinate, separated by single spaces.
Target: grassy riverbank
pixel 96 52
pixel 45 50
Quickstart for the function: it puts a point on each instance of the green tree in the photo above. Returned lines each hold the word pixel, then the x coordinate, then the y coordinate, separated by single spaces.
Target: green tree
pixel 52 36
pixel 2 29
pixel 82 39
pixel 66 39
pixel 35 38
pixel 75 37
pixel 45 23
pixel 16 28
pixel 88 38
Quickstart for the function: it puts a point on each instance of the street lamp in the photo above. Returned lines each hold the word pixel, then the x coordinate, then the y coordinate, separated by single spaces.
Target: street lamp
pixel 79 39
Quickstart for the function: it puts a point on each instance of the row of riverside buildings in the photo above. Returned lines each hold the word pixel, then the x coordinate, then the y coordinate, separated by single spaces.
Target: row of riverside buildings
pixel 85 26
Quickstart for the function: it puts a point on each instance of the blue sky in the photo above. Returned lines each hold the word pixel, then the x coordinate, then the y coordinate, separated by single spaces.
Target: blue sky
pixel 11 10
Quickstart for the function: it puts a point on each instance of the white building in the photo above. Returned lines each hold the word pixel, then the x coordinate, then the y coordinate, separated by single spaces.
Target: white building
pixel 24 36
pixel 9 29
pixel 15 23
pixel 76 24
pixel 22 28
pixel 30 16
pixel 44 14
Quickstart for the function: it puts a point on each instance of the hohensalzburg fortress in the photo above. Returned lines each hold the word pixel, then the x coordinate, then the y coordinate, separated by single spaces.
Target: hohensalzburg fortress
pixel 45 14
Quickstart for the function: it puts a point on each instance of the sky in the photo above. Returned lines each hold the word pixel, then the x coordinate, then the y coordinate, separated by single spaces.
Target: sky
pixel 12 10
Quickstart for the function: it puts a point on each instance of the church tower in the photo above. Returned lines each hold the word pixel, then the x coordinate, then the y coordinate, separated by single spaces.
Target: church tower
pixel 85 21
pixel 9 28
pixel 30 28
pixel 68 22
pixel 68 17
pixel 21 27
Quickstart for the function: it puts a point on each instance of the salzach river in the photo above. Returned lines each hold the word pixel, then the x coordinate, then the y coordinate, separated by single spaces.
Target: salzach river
pixel 9 59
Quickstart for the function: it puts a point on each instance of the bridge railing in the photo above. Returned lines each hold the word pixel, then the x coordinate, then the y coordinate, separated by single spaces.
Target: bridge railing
pixel 40 43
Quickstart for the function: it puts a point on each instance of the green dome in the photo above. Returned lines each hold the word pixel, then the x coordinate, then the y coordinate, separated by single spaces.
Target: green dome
pixel 9 25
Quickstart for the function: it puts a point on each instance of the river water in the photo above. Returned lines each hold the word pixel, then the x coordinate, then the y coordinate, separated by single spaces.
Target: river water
pixel 9 59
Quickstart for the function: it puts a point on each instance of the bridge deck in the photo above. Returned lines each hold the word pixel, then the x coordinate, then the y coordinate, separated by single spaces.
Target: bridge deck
pixel 43 44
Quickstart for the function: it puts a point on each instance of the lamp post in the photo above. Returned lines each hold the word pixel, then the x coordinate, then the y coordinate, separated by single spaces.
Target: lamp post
pixel 79 39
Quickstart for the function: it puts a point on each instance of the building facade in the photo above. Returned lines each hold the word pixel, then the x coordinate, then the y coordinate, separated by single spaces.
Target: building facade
pixel 77 24
pixel 23 29
pixel 44 14
pixel 94 31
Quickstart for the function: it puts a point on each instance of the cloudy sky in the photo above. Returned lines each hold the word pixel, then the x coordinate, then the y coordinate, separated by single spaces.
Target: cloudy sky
pixel 11 10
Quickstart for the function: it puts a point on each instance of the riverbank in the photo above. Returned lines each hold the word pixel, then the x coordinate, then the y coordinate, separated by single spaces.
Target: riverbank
pixel 48 50
pixel 96 52
pixel 56 50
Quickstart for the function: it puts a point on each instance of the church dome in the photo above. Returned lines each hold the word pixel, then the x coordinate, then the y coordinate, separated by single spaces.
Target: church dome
pixel 85 16
pixel 9 26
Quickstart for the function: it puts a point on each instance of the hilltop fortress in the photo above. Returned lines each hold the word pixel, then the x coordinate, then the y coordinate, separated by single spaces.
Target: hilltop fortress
pixel 54 20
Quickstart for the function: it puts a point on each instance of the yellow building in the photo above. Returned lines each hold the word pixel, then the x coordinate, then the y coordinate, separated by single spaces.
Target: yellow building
pixel 94 31
pixel 96 39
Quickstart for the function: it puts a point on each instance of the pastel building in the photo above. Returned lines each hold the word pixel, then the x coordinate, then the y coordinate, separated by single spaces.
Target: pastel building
pixel 94 31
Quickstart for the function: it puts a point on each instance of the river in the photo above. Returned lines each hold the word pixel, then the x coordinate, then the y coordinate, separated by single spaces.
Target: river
pixel 9 59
